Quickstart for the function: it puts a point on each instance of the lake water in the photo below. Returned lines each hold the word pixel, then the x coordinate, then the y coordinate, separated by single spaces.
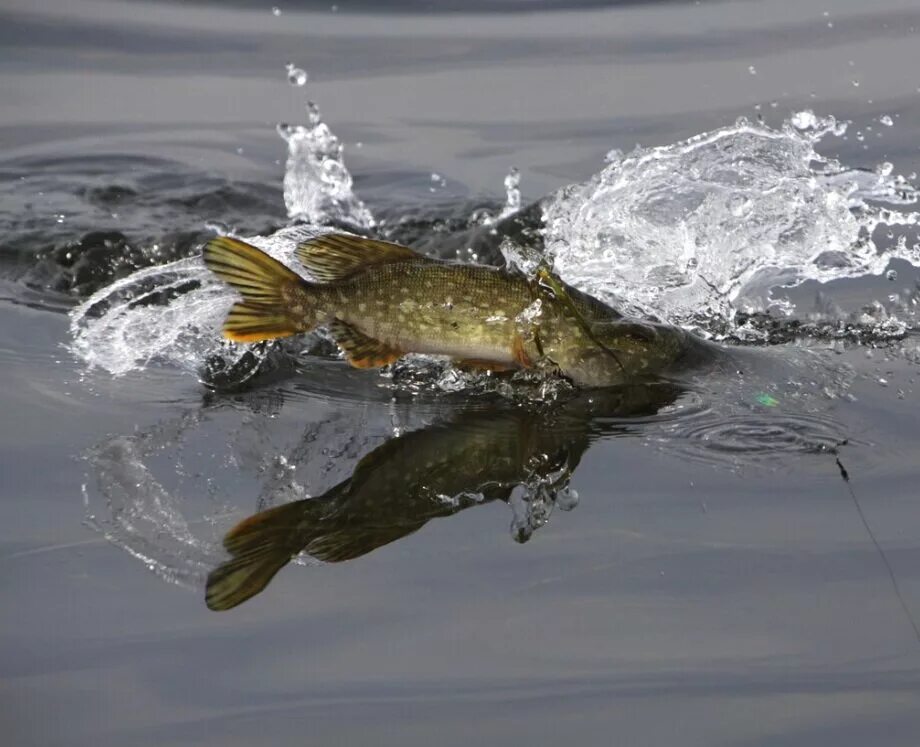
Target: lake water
pixel 729 559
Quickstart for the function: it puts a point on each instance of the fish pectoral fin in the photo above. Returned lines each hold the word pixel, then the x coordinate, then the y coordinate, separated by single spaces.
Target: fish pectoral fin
pixel 483 364
pixel 338 255
pixel 360 350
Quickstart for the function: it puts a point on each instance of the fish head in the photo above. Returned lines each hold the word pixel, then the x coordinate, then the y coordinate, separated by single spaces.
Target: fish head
pixel 621 351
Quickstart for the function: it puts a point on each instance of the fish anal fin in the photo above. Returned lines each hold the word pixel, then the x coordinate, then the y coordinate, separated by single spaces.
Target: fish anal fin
pixel 360 350
pixel 520 355
pixel 337 255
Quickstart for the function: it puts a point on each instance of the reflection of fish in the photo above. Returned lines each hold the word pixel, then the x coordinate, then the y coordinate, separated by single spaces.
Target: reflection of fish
pixel 381 300
pixel 436 471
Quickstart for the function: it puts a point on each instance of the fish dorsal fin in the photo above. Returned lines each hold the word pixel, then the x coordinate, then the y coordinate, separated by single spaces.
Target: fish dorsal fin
pixel 338 255
pixel 360 350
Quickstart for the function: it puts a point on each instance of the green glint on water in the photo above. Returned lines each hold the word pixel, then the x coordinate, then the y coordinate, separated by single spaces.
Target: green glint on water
pixel 766 400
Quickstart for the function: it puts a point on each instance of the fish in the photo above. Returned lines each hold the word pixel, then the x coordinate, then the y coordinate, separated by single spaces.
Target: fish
pixel 472 458
pixel 380 301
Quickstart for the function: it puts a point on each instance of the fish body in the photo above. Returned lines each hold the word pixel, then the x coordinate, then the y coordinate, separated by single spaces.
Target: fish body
pixel 382 300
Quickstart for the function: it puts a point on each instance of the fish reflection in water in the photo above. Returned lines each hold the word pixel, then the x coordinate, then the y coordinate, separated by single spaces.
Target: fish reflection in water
pixel 476 457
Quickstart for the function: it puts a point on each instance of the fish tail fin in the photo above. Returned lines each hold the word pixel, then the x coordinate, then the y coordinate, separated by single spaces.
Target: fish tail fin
pixel 261 545
pixel 235 581
pixel 274 303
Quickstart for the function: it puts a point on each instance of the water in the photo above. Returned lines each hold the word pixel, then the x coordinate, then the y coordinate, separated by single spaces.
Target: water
pixel 680 561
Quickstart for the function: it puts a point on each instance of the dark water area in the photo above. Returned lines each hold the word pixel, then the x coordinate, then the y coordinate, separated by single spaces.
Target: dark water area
pixel 731 557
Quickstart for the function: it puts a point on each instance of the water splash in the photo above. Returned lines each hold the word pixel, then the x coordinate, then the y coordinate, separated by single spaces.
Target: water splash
pixel 533 501
pixel 695 231
pixel 512 193
pixel 698 233
pixel 172 314
pixel 317 184
pixel 296 76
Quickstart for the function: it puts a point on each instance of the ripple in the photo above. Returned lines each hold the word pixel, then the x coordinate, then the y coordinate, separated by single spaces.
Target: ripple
pixel 754 438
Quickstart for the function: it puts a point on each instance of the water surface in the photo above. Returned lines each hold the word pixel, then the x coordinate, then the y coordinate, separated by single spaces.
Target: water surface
pixel 714 580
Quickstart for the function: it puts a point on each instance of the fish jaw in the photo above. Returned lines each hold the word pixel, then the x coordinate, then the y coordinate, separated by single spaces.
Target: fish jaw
pixel 627 351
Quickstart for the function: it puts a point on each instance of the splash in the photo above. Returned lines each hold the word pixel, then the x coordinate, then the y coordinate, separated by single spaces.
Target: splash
pixel 512 193
pixel 696 231
pixel 533 501
pixel 172 314
pixel 317 184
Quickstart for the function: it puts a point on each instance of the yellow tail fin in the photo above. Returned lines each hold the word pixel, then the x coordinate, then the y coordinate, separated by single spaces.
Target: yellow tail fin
pixel 270 292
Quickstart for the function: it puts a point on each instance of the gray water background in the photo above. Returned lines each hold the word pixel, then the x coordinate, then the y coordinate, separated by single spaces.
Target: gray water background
pixel 680 603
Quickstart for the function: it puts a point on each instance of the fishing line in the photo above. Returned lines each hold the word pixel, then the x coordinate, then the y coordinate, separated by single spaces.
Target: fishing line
pixel 894 581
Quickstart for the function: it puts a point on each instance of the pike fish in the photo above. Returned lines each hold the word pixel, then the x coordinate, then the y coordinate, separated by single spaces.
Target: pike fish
pixel 381 300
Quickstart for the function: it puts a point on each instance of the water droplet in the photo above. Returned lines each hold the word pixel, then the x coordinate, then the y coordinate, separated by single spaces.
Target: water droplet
pixel 804 120
pixel 334 170
pixel 752 70
pixel 313 114
pixel 334 8
pixel 435 176
pixel 882 381
pixel 296 76
pixel 276 11
pixel 892 274
pixel 855 83
pixel 884 169
pixel 512 192
pixel 886 120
